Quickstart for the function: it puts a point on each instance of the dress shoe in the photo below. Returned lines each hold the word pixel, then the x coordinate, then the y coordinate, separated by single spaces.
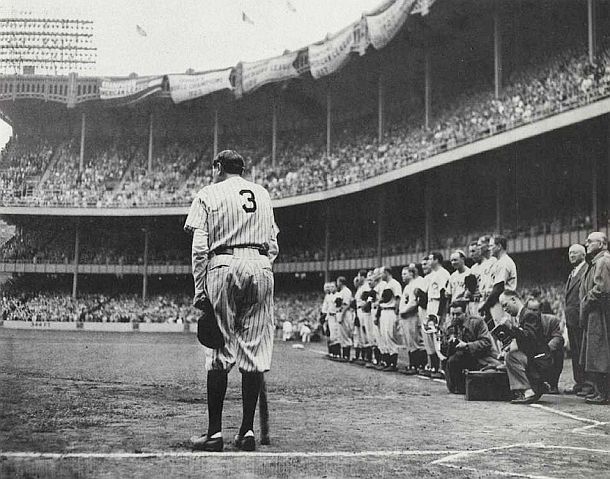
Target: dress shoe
pixel 409 371
pixel 424 372
pixel 437 375
pixel 584 392
pixel 208 444
pixel 529 397
pixel 598 399
pixel 390 369
pixel 518 395
pixel 245 443
pixel 370 365
pixel 553 390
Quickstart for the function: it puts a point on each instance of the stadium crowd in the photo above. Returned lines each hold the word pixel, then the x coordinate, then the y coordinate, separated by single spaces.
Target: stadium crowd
pixel 455 325
pixel 470 315
pixel 97 308
pixel 115 172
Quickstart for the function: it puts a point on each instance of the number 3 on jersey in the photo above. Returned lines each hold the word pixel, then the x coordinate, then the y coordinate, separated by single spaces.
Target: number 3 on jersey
pixel 250 205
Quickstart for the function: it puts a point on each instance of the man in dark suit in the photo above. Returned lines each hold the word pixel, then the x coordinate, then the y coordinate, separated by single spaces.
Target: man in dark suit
pixel 595 318
pixel 553 334
pixel 576 254
pixel 467 345
pixel 531 341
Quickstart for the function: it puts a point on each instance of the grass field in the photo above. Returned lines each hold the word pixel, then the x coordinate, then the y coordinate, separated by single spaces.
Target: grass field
pixel 83 404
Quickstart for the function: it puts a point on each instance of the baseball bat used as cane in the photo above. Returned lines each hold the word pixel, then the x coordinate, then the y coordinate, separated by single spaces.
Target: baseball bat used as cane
pixel 263 409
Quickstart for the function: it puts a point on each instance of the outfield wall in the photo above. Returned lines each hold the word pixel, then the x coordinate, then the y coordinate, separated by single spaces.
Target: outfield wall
pixel 103 327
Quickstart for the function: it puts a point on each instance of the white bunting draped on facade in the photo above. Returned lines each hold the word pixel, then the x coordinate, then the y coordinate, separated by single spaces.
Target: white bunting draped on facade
pixel 385 25
pixel 188 87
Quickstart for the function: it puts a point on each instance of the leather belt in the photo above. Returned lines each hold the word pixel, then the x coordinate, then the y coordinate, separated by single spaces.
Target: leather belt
pixel 387 307
pixel 261 248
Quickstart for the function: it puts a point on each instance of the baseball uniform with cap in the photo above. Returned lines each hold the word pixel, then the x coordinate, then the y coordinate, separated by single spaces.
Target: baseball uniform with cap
pixel 504 271
pixel 361 332
pixel 345 318
pixel 387 321
pixel 410 323
pixel 233 246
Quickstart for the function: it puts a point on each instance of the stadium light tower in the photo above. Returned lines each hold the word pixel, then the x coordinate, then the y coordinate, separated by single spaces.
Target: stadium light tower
pixel 45 45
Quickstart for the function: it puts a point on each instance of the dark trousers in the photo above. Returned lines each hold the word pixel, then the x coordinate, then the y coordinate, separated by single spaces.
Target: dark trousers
pixel 575 338
pixel 538 371
pixel 557 357
pixel 456 379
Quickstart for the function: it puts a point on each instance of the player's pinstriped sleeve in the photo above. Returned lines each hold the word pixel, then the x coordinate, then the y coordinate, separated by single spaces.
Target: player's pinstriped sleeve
pixel 196 223
pixel 197 216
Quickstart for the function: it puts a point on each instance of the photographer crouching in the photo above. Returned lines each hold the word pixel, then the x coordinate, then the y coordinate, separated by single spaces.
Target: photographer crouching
pixel 468 346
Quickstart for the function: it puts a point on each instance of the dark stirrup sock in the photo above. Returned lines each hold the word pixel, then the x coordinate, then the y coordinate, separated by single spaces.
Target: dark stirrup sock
pixel 250 389
pixel 217 388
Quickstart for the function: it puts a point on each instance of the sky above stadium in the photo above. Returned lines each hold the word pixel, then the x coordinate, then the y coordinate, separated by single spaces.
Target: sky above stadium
pixel 170 36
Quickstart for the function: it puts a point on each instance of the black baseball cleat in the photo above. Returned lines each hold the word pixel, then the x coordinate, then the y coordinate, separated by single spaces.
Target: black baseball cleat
pixel 208 444
pixel 245 443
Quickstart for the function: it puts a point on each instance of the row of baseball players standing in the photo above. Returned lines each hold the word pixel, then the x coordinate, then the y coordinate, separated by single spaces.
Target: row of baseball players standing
pixel 383 316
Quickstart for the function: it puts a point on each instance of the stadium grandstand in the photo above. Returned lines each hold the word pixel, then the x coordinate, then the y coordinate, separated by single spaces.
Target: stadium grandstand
pixel 455 119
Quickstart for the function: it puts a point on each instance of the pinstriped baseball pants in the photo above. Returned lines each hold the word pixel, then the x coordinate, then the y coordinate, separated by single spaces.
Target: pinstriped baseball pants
pixel 240 288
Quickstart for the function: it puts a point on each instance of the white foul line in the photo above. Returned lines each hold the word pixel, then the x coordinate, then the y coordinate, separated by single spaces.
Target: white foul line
pixel 444 461
pixel 566 414
pixel 159 454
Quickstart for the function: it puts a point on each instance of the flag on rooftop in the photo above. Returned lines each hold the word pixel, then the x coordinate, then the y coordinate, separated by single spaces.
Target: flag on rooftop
pixel 246 18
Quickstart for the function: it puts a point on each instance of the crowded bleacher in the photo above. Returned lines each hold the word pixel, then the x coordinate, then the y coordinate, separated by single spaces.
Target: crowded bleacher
pixel 116 172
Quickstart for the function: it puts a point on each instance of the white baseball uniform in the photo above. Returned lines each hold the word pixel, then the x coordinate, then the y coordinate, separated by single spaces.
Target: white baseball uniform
pixel 233 225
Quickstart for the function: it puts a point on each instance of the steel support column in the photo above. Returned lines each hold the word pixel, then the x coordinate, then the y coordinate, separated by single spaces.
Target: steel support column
pixel 76 258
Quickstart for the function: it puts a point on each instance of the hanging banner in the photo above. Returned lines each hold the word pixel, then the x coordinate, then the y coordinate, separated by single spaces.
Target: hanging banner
pixel 257 74
pixel 329 56
pixel 385 25
pixel 130 90
pixel 187 87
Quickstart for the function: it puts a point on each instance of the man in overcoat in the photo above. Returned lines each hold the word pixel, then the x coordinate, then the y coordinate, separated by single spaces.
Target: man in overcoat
pixel 595 317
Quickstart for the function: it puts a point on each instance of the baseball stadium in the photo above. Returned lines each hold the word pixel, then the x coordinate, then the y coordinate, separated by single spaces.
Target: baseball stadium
pixel 416 134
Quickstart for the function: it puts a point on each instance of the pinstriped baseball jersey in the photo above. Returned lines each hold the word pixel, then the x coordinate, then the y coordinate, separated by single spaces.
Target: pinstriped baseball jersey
pixel 229 213
pixel 236 213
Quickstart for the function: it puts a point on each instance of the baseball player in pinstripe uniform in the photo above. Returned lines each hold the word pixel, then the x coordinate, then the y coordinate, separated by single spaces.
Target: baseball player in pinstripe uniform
pixel 360 331
pixel 368 297
pixel 324 314
pixel 334 328
pixel 388 304
pixel 486 282
pixel 376 285
pixel 409 318
pixel 234 245
pixel 345 317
